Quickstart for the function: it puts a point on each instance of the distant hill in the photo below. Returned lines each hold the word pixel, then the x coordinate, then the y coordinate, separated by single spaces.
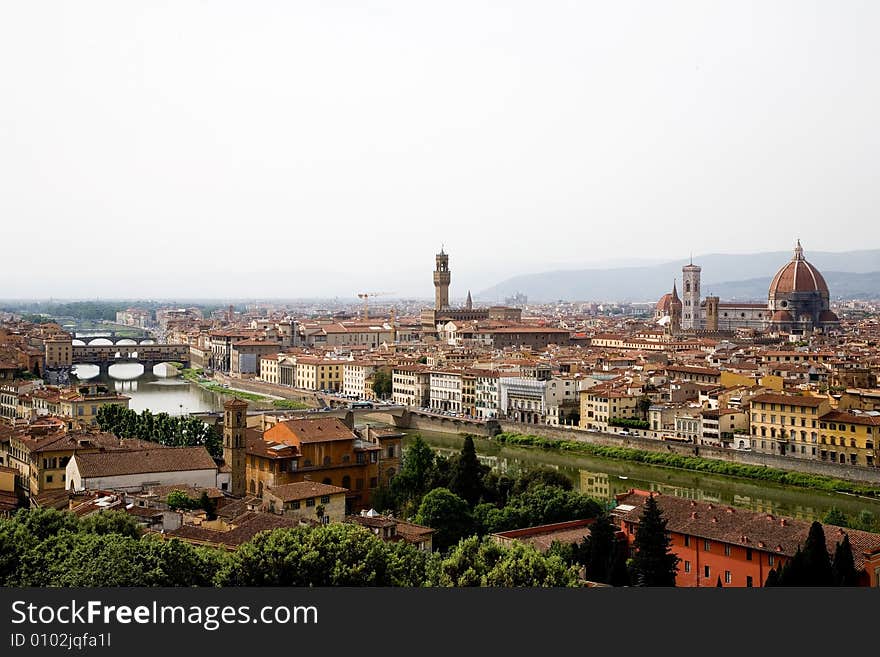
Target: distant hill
pixel 738 276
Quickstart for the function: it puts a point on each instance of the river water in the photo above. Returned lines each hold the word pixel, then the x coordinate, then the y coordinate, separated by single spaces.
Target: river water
pixel 603 478
pixel 175 396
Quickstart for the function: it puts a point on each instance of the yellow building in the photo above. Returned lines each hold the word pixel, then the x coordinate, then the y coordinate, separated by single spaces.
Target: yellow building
pixel 600 404
pixel 849 437
pixel 319 374
pixel 786 424
pixel 83 402
pixel 735 380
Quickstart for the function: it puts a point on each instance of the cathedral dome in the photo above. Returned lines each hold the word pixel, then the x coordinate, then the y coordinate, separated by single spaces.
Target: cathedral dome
pixel 663 304
pixel 798 275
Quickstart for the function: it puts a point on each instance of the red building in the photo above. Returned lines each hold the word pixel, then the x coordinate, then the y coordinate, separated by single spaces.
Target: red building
pixel 738 546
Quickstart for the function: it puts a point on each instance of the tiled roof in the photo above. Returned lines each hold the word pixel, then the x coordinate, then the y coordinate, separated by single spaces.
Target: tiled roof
pixel 303 490
pixel 157 459
pixel 760 531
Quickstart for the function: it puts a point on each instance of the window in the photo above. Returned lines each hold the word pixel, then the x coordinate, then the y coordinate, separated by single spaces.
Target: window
pixel 770 559
pixel 749 581
pixel 48 479
pixel 310 501
pixel 346 482
pixel 374 482
pixel 687 541
pixel 706 572
pixel 325 499
pixel 327 481
pixel 326 460
pixel 391 451
pixel 726 550
pixel 295 504
pixel 706 544
pixel 687 566
pixel 748 554
pixel 373 457
pixel 359 484
pixel 727 577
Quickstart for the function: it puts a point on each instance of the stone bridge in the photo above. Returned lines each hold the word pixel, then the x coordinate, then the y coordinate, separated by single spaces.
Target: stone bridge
pixel 112 337
pixel 105 355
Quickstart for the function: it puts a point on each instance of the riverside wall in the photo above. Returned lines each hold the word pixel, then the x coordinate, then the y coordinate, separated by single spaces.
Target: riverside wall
pixel 851 473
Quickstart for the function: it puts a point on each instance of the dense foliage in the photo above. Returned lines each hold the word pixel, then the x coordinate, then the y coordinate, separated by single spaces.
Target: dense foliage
pixel 54 548
pixel 631 423
pixel 695 463
pixel 171 431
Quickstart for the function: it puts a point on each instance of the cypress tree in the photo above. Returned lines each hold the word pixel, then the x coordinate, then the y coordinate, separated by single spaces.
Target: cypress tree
pixel 844 565
pixel 601 550
pixel 654 563
pixel 794 571
pixel 773 577
pixel 817 562
pixel 467 474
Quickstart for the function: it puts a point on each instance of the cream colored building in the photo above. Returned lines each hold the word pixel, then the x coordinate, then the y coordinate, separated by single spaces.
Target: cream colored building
pixel 600 404
pixel 411 385
pixel 307 500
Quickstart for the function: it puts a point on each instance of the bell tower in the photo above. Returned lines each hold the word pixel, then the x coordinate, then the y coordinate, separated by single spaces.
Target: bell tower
pixel 442 276
pixel 691 317
pixel 234 447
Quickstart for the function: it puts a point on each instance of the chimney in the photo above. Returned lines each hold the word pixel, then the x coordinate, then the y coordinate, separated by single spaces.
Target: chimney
pixel 693 515
pixel 714 518
pixel 782 522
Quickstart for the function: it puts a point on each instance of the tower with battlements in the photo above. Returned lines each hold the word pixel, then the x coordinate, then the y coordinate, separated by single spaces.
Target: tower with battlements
pixel 442 278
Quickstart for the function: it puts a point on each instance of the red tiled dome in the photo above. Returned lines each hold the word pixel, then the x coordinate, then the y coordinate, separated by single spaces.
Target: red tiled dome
pixel 781 317
pixel 663 304
pixel 828 316
pixel 798 275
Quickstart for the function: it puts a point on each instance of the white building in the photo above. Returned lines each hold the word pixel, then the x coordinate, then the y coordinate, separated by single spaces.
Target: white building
pixel 138 469
pixel 411 385
pixel 354 378
pixel 445 386
pixel 486 392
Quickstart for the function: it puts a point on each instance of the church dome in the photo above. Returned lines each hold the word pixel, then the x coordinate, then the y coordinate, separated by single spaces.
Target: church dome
pixel 782 317
pixel 798 275
pixel 663 304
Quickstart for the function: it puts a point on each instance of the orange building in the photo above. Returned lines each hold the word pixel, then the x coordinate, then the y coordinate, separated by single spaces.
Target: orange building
pixel 738 546
pixel 323 450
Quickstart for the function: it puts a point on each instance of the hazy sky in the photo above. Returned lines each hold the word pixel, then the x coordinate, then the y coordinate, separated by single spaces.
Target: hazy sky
pixel 310 148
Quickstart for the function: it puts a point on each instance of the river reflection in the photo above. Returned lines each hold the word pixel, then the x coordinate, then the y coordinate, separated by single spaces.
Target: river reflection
pixel 174 396
pixel 605 478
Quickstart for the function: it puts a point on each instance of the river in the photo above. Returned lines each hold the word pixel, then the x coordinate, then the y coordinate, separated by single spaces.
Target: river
pixel 174 395
pixel 603 478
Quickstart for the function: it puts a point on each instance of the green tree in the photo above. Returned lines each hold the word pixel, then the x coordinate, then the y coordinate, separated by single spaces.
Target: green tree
pixel 468 473
pixel 817 562
pixel 836 517
pixel 177 499
pixel 382 384
pixel 448 515
pixel 601 549
pixel 843 565
pixel 773 577
pixel 482 562
pixel 794 573
pixel 111 522
pixel 208 505
pixel 654 563
pixel 339 554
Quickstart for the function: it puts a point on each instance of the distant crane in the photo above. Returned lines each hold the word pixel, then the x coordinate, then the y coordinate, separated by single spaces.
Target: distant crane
pixel 366 295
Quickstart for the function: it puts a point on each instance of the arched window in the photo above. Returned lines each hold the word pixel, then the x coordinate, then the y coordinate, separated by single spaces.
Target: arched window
pixel 346 482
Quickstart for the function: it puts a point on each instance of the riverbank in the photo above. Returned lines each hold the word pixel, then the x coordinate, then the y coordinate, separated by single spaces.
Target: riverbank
pixel 695 464
pixel 196 376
